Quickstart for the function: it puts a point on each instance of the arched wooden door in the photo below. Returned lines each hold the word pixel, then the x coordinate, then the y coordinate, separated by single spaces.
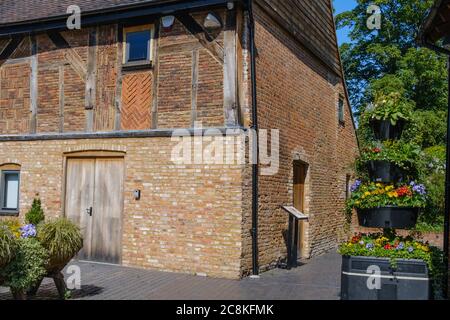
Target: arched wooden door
pixel 94 200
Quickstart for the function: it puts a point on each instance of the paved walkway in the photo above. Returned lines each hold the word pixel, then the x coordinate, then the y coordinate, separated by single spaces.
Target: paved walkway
pixel 318 279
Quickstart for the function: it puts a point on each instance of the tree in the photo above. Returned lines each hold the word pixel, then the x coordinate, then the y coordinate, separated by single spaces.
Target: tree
pixel 380 62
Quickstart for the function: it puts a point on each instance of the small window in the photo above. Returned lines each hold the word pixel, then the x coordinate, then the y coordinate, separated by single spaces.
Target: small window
pixel 10 181
pixel 341 114
pixel 137 43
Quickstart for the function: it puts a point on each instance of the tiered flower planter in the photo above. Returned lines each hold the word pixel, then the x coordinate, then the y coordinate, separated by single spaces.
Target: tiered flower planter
pixel 388 217
pixel 409 279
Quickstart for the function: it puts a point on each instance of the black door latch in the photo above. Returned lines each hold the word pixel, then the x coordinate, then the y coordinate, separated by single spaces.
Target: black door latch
pixel 89 211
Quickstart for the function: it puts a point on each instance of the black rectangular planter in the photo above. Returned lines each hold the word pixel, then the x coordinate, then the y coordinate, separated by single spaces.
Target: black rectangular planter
pixel 409 281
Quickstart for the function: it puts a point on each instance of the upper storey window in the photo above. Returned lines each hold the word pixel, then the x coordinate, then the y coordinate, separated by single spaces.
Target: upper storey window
pixel 138 44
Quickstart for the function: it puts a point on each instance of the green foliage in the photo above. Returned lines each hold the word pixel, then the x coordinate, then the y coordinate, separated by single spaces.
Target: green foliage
pixel 27 268
pixel 14 226
pixel 372 54
pixel 7 245
pixel 374 195
pixel 379 62
pixel 391 106
pixel 404 155
pixel 62 239
pixel 36 213
pixel 393 247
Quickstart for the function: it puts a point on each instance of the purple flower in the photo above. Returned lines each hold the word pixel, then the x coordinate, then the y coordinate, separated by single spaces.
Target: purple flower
pixel 410 249
pixel 356 185
pixel 28 231
pixel 369 246
pixel 401 246
pixel 420 189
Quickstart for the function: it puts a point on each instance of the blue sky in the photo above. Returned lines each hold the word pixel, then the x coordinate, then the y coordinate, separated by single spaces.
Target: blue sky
pixel 341 6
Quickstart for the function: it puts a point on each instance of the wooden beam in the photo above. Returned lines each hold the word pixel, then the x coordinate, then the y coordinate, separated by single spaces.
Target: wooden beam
pixel 91 78
pixel 33 84
pixel 9 49
pixel 61 98
pixel 202 36
pixel 194 89
pixel 155 79
pixel 70 54
pixel 118 100
pixel 230 70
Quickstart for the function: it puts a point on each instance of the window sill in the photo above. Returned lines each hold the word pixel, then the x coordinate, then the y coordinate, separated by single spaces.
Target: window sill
pixel 137 65
pixel 9 213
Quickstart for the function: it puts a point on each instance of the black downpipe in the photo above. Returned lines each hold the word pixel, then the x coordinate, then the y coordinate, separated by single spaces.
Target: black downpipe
pixel 255 166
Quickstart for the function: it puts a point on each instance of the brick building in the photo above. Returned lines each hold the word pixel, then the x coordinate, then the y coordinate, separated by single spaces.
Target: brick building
pixel 87 118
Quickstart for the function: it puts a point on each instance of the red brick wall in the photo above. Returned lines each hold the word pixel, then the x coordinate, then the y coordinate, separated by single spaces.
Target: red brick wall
pixel 14 98
pixel 298 95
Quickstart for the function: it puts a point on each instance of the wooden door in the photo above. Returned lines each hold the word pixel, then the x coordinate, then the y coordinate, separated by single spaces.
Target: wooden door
pixel 107 213
pixel 80 196
pixel 300 170
pixel 94 200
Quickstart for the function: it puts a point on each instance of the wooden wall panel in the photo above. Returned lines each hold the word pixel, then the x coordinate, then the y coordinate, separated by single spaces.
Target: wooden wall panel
pixel 311 22
pixel 136 101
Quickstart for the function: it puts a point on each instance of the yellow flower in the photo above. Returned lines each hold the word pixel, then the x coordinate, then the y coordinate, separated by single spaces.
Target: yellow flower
pixel 367 193
pixel 379 185
pixel 389 188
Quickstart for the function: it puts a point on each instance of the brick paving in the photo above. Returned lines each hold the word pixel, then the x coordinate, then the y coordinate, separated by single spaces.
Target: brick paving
pixel 317 279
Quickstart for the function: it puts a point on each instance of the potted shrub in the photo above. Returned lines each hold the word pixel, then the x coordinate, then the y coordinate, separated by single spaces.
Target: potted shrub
pixel 381 205
pixel 62 239
pixel 27 266
pixel 7 247
pixel 407 268
pixel 388 115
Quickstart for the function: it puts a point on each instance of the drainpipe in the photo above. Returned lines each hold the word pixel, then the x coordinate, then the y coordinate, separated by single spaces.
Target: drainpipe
pixel 447 171
pixel 254 127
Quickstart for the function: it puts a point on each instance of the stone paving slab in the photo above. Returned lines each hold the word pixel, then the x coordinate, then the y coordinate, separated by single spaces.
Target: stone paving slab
pixel 317 279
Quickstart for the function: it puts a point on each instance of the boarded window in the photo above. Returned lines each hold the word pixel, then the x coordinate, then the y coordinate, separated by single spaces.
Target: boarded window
pixel 341 114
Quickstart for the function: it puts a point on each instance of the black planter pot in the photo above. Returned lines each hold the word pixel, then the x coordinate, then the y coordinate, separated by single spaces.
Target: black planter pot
pixel 384 130
pixel 384 171
pixel 388 217
pixel 409 281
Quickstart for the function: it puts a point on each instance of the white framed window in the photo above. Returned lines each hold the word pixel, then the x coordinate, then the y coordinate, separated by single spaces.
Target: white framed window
pixel 9 190
pixel 138 44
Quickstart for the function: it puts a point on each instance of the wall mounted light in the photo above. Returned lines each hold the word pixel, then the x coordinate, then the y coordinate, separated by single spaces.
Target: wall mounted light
pixel 137 194
pixel 212 22
pixel 167 22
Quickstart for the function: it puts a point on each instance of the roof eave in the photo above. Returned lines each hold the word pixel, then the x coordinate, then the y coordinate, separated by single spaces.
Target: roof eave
pixel 109 15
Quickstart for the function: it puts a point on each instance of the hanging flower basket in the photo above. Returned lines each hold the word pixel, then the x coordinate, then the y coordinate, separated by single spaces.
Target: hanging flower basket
pixel 388 217
pixel 386 130
pixel 384 171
